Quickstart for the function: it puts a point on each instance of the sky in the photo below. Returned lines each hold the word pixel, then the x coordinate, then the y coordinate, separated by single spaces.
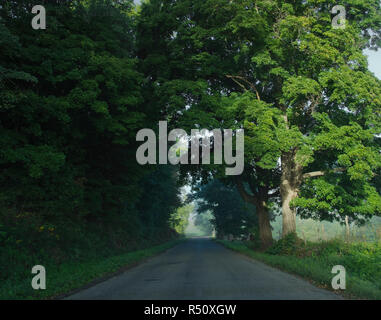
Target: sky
pixel 374 59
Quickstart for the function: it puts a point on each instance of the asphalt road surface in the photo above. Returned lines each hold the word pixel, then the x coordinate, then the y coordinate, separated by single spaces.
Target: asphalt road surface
pixel 201 269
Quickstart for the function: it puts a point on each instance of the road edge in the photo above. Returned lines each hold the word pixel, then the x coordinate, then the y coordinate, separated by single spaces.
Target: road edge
pixel 311 281
pixel 113 274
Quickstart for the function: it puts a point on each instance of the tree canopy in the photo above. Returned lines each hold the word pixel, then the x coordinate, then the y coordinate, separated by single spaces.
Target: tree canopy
pixel 74 96
pixel 300 88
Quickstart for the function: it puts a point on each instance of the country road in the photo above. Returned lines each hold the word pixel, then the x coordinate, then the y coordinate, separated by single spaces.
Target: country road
pixel 201 269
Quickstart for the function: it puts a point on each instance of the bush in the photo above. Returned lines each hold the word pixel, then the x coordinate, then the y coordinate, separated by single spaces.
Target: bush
pixel 286 246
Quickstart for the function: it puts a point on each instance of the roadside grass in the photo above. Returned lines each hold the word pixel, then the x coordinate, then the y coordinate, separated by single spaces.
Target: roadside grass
pixel 314 262
pixel 71 275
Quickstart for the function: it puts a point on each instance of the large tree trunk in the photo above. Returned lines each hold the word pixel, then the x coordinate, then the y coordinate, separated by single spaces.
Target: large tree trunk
pixel 265 233
pixel 290 181
pixel 259 201
pixel 288 213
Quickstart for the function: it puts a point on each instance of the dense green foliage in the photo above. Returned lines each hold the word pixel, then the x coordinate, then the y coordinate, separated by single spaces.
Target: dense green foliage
pixel 180 218
pixel 73 97
pixel 71 101
pixel 70 107
pixel 300 88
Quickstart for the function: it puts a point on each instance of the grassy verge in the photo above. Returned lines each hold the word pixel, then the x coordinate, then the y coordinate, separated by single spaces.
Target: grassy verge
pixel 70 275
pixel 314 261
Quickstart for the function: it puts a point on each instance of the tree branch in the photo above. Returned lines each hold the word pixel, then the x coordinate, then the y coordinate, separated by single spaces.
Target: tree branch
pixel 234 78
pixel 314 174
pixel 245 196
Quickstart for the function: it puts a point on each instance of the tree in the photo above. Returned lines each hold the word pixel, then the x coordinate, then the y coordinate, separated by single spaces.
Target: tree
pixel 180 218
pixel 187 71
pixel 325 111
pixel 159 205
pixel 231 215
pixel 71 101
pixel 300 88
pixel 68 128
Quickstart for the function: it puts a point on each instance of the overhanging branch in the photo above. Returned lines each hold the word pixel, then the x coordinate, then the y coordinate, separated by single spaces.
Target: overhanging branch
pixel 252 86
pixel 315 174
pixel 244 194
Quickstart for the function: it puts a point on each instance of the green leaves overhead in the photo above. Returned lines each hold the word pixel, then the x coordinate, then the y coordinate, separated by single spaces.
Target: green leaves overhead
pixel 73 97
pixel 72 103
pixel 300 88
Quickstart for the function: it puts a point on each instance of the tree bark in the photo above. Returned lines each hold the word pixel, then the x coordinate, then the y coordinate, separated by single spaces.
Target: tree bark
pixel 290 181
pixel 259 201
pixel 265 233
pixel 288 213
